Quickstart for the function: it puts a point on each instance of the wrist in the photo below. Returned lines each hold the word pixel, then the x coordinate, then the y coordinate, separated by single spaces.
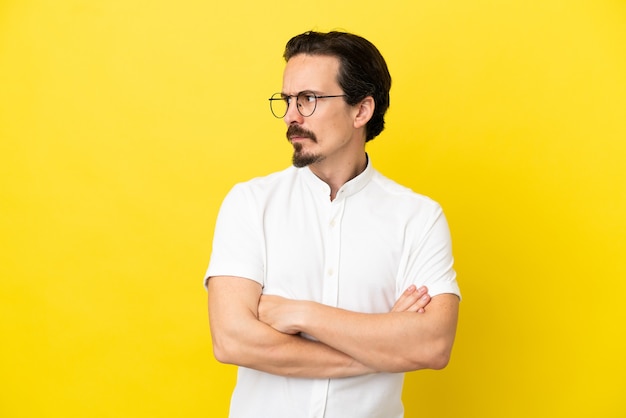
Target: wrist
pixel 304 313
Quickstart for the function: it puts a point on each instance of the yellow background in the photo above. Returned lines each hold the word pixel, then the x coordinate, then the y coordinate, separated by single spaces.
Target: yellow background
pixel 124 122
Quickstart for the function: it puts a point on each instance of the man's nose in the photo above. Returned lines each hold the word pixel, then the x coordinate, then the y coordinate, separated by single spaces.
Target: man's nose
pixel 293 115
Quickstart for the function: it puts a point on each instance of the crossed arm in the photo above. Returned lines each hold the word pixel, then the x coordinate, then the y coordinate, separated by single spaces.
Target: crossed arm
pixel 262 332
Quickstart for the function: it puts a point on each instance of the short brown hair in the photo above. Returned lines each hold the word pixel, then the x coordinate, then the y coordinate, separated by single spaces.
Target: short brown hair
pixel 363 71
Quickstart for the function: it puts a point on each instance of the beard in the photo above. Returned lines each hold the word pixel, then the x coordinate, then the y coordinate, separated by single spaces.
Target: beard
pixel 301 158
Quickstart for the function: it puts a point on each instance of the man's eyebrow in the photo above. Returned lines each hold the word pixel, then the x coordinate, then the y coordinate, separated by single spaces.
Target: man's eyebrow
pixel 317 93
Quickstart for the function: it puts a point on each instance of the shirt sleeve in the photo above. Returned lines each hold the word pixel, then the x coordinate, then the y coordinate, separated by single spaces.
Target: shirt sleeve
pixel 430 261
pixel 237 241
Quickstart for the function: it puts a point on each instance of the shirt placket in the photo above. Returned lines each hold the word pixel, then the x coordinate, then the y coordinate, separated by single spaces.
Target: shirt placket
pixel 330 294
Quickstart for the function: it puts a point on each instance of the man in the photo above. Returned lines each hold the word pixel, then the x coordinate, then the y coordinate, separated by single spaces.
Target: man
pixel 327 280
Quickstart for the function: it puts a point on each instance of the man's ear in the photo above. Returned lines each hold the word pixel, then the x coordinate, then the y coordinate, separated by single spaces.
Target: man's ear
pixel 365 112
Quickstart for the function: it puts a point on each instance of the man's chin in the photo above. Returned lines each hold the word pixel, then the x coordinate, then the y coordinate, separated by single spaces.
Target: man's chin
pixel 302 160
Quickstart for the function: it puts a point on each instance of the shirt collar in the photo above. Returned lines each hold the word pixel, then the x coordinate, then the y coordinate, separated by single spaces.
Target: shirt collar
pixel 353 186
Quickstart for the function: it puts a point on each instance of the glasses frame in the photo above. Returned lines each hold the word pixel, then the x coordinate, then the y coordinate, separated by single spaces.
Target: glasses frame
pixel 287 99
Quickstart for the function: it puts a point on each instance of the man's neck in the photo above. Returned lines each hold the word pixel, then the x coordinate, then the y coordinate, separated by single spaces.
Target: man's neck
pixel 336 174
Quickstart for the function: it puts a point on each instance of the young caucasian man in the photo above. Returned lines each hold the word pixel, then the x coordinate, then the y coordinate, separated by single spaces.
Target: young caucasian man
pixel 327 280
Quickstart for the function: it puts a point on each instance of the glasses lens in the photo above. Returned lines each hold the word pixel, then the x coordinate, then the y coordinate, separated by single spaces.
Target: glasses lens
pixel 278 105
pixel 306 103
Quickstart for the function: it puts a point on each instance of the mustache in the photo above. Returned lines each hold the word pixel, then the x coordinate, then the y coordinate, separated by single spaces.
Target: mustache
pixel 296 130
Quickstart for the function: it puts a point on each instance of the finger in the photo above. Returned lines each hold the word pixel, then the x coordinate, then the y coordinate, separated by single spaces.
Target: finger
pixel 405 300
pixel 410 299
pixel 419 304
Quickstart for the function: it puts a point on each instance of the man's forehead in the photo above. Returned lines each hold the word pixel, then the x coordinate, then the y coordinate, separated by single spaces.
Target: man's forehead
pixel 310 72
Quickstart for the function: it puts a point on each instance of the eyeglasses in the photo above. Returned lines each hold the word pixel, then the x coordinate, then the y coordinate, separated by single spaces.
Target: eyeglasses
pixel 306 102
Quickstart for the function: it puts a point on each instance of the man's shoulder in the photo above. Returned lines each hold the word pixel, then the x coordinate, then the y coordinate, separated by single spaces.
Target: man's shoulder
pixel 397 192
pixel 262 187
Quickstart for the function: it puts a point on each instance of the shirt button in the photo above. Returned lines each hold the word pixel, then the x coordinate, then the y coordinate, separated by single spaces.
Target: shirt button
pixel 330 272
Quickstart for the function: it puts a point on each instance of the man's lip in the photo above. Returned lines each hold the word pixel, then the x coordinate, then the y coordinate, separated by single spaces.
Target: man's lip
pixel 297 138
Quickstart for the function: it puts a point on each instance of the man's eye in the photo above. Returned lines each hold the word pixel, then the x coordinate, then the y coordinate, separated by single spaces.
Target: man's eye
pixel 310 98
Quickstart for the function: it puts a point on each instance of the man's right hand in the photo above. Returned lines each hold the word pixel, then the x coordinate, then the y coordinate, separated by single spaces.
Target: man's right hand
pixel 412 300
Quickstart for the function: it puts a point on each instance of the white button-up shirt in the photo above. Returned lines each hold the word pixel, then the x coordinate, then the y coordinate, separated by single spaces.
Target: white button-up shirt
pixel 358 252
